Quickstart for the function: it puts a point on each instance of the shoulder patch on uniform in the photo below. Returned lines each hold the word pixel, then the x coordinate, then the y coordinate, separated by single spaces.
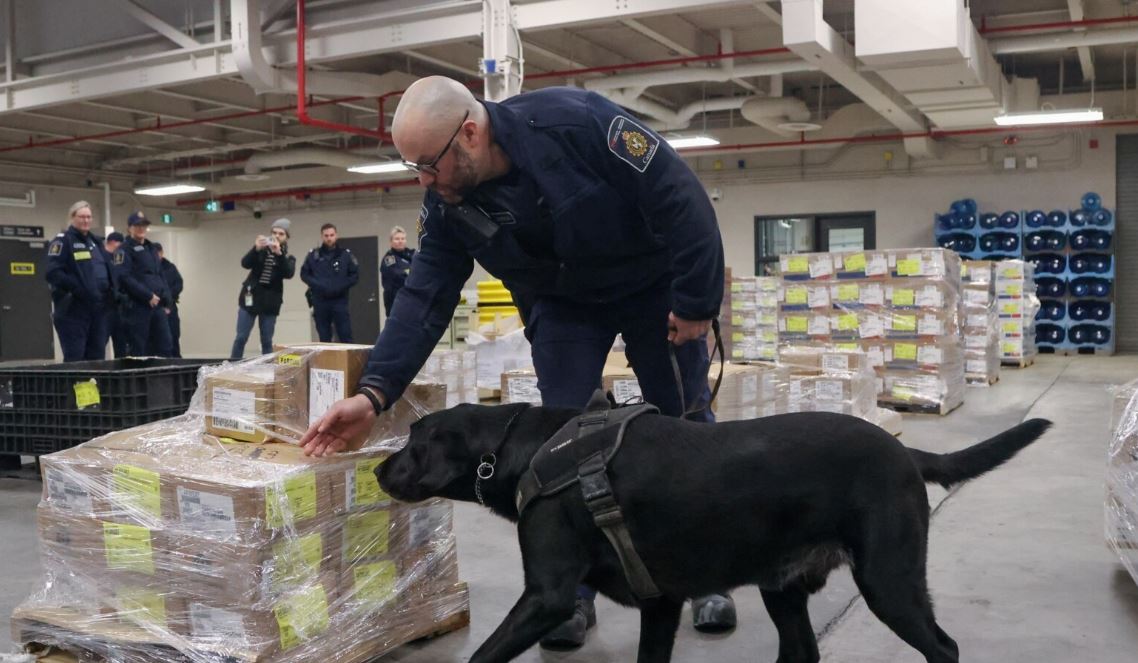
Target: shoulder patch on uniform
pixel 354 261
pixel 632 143
pixel 389 261
pixel 119 255
pixel 55 249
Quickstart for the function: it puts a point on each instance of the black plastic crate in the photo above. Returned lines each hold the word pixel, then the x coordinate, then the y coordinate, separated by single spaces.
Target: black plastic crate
pixel 123 386
pixel 39 433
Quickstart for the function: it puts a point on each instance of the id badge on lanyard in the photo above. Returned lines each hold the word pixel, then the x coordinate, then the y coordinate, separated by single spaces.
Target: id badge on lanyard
pixel 248 296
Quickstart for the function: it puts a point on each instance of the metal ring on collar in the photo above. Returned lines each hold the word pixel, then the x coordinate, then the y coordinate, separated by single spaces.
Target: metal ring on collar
pixel 486 469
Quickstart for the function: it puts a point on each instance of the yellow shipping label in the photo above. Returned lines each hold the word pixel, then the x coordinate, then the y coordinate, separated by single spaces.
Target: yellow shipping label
pixel 903 297
pixel 141 605
pixel 302 617
pixel 908 267
pixel 855 262
pixel 796 265
pixel 905 322
pixel 738 304
pixel 796 295
pixel 1013 327
pixel 374 583
pixel 1011 348
pixel 87 394
pixel 736 320
pixel 797 324
pixel 905 351
pixel 290 359
pixel 137 489
pixel 1010 308
pixel 738 336
pixel 847 321
pixel 365 535
pixel 1014 289
pixel 128 548
pixel 847 347
pixel 736 287
pixel 904 393
pixel 848 292
pixel 368 491
pixel 292 502
pixel 297 561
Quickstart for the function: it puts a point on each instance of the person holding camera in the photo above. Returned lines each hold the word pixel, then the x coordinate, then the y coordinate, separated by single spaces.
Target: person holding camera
pixel 139 274
pixel 78 272
pixel 262 292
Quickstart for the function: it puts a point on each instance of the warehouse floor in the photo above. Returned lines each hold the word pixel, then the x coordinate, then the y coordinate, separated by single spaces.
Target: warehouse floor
pixel 1017 567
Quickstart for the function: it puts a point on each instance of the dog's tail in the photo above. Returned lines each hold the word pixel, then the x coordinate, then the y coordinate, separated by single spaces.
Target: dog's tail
pixel 953 468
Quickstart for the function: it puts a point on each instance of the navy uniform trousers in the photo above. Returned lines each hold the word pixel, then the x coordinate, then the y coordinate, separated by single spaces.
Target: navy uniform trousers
pixel 82 330
pixel 329 313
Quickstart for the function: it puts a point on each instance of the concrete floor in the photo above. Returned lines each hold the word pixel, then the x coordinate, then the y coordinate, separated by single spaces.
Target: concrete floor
pixel 1017 566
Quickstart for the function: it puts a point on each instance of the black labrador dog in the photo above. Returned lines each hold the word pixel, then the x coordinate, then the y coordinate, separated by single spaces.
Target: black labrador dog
pixel 776 502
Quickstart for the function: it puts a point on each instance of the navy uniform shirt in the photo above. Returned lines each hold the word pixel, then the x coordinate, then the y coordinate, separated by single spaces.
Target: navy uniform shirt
pixel 77 266
pixel 330 273
pixel 395 267
pixel 597 208
pixel 140 272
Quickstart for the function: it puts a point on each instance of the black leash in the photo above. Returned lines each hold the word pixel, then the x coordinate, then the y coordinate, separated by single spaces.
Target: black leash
pixel 680 379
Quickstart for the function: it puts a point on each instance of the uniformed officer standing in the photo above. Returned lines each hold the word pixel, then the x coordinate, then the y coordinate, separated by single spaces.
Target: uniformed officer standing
pixel 330 271
pixel 395 267
pixel 78 271
pixel 594 224
pixel 173 279
pixel 140 276
pixel 120 302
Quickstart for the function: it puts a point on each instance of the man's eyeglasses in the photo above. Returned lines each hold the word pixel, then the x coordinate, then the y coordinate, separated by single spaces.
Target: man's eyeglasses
pixel 428 167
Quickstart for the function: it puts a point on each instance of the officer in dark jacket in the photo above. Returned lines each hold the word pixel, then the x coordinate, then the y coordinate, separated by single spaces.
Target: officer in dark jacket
pixel 79 273
pixel 330 271
pixel 595 225
pixel 262 293
pixel 395 267
pixel 173 279
pixel 116 310
pixel 140 276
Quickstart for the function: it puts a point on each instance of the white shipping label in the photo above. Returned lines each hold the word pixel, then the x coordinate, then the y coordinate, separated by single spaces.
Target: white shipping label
pixel 431 523
pixel 819 325
pixel 978 320
pixel 872 295
pixel 325 387
pixel 216 624
pixel 234 409
pixel 749 389
pixel 887 354
pixel 818 297
pixel 930 297
pixel 872 327
pixel 800 390
pixel 929 354
pixel 976 297
pixel 976 366
pixel 876 357
pixel 976 341
pixel 821 266
pixel 930 325
pixel 523 389
pixel 829 390
pixel 68 493
pixel 835 362
pixel 625 391
pixel 206 512
pixel 876 265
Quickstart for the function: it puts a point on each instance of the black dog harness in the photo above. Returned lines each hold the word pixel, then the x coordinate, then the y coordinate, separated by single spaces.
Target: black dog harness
pixel 577 454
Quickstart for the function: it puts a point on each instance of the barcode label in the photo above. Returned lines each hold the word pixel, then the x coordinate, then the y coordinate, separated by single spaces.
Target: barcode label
pixel 68 493
pixel 216 624
pixel 234 409
pixel 206 512
pixel 625 391
pixel 325 387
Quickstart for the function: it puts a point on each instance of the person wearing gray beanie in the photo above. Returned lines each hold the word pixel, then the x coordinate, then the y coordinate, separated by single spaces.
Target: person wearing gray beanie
pixel 262 292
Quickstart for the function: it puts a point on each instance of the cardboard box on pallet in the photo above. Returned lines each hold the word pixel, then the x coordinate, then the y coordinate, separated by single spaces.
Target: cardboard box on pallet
pixel 520 386
pixel 241 404
pixel 935 391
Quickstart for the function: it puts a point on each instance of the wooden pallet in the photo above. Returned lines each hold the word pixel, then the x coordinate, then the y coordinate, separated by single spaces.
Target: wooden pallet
pixel 912 408
pixel 1021 362
pixel 1089 350
pixel 982 382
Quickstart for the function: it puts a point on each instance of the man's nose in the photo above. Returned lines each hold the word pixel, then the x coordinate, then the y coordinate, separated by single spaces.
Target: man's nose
pixel 426 179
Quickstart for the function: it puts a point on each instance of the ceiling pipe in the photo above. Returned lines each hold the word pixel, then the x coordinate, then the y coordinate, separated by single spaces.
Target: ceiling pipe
pixel 608 69
pixel 1056 25
pixel 769 113
pixel 304 156
pixel 698 75
pixel 307 191
pixel 1062 41
pixel 682 118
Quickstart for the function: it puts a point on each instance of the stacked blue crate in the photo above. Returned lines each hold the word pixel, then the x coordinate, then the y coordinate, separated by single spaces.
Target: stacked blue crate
pixel 1045 245
pixel 956 230
pixel 999 236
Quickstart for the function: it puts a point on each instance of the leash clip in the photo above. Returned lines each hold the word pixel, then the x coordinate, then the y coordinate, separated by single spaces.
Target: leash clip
pixel 486 469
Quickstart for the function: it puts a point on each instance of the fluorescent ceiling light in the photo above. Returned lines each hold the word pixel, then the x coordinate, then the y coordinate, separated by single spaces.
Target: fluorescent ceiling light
pixel 381 167
pixel 168 189
pixel 1049 117
pixel 692 141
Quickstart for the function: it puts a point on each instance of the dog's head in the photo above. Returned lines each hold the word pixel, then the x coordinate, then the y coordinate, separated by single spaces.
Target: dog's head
pixel 444 451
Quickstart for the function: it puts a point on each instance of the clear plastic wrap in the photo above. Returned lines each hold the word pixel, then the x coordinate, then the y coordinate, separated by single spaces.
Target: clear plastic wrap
pixel 901 307
pixel 749 318
pixel 1016 305
pixel 1122 479
pixel 175 541
pixel 981 323
pixel 499 346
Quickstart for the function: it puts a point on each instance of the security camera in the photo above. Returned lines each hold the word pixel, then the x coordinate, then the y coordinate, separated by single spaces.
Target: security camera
pixel 716 194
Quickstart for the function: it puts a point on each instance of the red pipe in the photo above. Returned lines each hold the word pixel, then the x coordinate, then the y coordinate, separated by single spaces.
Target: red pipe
pixel 1058 25
pixel 301 102
pixel 299 192
pixel 655 63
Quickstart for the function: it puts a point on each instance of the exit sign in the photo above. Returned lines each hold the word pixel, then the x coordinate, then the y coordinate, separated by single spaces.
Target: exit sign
pixel 167 218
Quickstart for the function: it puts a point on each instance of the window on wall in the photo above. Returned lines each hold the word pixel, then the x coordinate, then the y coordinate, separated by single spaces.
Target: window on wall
pixel 805 233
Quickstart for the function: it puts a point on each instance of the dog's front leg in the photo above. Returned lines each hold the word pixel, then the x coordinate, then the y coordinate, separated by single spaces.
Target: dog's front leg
pixel 659 619
pixel 536 613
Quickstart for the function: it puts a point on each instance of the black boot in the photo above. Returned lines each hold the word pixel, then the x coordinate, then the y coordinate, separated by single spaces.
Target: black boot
pixel 714 613
pixel 571 633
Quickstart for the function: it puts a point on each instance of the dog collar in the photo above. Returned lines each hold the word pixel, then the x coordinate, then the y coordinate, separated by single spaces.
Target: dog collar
pixel 485 469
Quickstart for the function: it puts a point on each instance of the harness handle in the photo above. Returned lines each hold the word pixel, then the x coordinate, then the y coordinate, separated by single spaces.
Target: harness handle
pixel 680 379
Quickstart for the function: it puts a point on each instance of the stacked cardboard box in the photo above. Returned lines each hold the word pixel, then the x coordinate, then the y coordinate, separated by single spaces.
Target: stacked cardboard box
pixel 981 323
pixel 458 370
pixel 168 542
pixel 1122 479
pixel 902 307
pixel 749 318
pixel 1016 305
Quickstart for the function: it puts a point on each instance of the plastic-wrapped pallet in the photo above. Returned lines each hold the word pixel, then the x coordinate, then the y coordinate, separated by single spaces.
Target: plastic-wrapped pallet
pixel 520 386
pixel 750 318
pixel 1016 304
pixel 824 380
pixel 902 307
pixel 750 390
pixel 458 370
pixel 165 542
pixel 981 323
pixel 1122 479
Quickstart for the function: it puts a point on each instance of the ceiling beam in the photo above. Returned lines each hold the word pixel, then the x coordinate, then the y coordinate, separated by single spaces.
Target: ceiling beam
pixel 155 23
pixel 224 149
pixel 766 9
pixel 1086 60
pixel 176 117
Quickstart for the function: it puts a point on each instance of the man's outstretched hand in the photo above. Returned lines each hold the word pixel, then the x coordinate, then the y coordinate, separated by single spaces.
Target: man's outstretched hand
pixel 344 427
pixel 681 331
